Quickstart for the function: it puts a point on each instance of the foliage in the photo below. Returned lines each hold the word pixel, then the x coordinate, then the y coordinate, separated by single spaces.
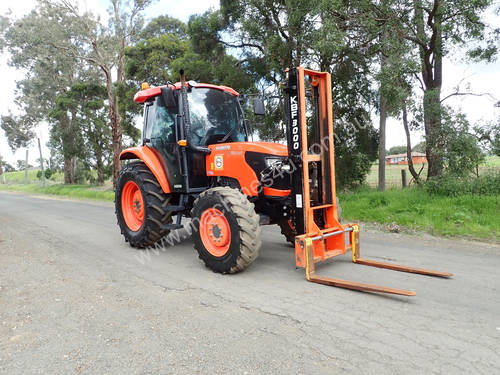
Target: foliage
pixel 415 209
pixel 19 133
pixel 397 150
pixel 489 136
pixel 419 147
pixel 90 138
pixel 451 186
pixel 274 35
pixel 433 28
pixel 41 43
pixel 21 165
pixel 6 167
pixel 47 173
pixel 461 151
pixel 355 150
pixel 165 47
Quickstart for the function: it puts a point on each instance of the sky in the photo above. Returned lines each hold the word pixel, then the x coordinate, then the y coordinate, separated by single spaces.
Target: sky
pixel 481 77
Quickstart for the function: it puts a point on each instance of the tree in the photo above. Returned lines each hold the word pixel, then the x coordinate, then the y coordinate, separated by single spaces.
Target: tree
pixel 38 45
pixel 6 167
pixel 419 147
pixel 167 45
pixel 21 165
pixel 397 150
pixel 104 48
pixel 462 153
pixel 90 139
pixel 18 131
pixel 434 27
pixel 274 35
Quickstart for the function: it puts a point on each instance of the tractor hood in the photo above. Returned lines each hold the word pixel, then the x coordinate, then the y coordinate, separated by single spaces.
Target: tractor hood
pixel 244 162
pixel 269 148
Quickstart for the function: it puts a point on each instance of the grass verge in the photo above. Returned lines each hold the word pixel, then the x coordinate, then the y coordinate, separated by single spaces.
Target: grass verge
pixel 72 191
pixel 465 216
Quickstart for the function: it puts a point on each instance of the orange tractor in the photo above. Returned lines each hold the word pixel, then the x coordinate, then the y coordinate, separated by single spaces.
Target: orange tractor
pixel 196 161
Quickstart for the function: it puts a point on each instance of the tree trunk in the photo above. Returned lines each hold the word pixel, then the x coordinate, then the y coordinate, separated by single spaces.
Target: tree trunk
pixel 414 173
pixel 382 125
pixel 116 131
pixel 68 171
pixel 431 60
pixel 434 145
pixel 381 145
pixel 99 167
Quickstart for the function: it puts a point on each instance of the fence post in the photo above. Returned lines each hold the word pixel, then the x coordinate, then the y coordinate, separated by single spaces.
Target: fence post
pixel 41 162
pixel 403 177
pixel 26 168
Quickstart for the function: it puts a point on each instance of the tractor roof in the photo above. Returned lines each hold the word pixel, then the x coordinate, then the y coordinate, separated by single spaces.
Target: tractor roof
pixel 143 95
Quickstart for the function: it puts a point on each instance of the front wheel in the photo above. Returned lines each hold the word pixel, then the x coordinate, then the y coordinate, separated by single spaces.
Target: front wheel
pixel 140 206
pixel 227 231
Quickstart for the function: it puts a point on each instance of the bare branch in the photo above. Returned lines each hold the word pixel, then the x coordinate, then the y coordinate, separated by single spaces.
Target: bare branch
pixel 242 45
pixel 468 94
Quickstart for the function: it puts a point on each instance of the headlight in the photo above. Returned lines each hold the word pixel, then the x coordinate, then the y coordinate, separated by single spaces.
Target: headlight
pixel 271 161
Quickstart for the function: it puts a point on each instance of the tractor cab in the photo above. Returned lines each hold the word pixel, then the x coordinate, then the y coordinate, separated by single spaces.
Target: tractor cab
pixel 180 134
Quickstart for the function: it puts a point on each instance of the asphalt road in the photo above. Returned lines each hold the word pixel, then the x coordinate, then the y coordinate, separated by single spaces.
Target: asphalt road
pixel 75 298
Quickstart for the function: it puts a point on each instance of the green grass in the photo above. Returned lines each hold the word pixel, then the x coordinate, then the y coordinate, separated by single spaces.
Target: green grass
pixel 17 177
pixel 393 172
pixel 492 161
pixel 413 208
pixel 467 216
pixel 72 191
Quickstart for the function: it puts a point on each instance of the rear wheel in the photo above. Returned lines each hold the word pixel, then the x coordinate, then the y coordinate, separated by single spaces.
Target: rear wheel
pixel 140 206
pixel 227 235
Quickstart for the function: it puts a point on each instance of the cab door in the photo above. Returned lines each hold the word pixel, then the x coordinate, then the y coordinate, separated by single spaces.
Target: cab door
pixel 160 135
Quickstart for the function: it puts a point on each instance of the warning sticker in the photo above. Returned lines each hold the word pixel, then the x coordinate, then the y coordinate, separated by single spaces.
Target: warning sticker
pixel 219 162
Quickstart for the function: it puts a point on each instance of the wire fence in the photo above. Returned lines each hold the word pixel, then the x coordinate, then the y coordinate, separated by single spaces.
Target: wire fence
pixel 399 176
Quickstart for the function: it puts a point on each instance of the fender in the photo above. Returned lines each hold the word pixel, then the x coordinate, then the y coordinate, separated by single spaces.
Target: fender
pixel 149 158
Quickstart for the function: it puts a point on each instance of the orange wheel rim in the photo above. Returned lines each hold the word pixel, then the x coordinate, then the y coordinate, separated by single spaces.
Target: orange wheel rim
pixel 132 206
pixel 215 232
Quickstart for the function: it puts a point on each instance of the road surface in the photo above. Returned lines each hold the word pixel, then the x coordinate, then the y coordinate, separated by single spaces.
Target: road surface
pixel 75 298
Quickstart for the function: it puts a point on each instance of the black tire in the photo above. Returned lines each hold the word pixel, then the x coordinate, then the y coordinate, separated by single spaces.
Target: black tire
pixel 243 225
pixel 155 201
pixel 288 230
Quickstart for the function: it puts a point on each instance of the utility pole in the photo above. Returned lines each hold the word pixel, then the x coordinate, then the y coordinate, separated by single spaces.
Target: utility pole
pixel 41 162
pixel 1 170
pixel 26 168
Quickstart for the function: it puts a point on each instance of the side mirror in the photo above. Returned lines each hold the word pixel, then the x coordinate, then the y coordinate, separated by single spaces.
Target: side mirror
pixel 258 107
pixel 167 96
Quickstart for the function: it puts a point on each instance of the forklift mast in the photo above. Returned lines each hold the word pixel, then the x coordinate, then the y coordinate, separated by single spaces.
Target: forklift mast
pixel 320 236
pixel 311 149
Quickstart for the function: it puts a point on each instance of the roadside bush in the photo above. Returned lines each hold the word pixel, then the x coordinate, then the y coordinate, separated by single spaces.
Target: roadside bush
pixel 451 186
pixel 48 174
